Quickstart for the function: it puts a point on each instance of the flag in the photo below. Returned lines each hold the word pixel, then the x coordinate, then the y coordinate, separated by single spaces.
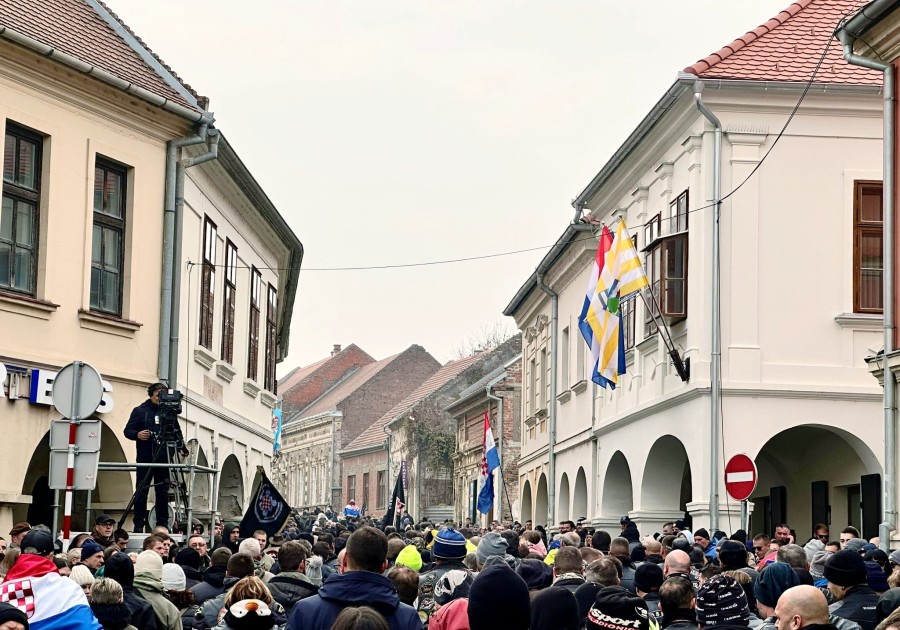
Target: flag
pixel 276 427
pixel 48 600
pixel 397 505
pixel 616 274
pixel 490 459
pixel 267 511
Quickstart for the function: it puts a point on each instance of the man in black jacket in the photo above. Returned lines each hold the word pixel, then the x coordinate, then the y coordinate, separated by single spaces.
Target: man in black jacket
pixel 847 581
pixel 213 583
pixel 146 427
pixel 291 584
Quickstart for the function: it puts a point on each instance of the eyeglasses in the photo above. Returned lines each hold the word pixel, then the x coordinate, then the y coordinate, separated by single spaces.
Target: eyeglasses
pixel 758 548
pixel 822 536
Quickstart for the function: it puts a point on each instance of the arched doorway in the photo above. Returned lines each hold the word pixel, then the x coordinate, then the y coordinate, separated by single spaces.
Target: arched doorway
pixel 200 495
pixel 541 503
pixel 231 488
pixel 667 477
pixel 527 514
pixel 832 464
pixel 563 513
pixel 113 489
pixel 618 496
pixel 580 499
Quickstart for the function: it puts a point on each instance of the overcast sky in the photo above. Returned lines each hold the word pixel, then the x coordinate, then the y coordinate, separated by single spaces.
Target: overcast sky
pixel 392 132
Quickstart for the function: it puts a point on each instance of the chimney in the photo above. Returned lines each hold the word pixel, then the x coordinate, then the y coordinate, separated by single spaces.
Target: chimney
pixel 335 349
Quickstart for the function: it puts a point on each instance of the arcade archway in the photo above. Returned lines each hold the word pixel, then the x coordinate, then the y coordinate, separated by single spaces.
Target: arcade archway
pixel 666 484
pixel 618 496
pixel 231 488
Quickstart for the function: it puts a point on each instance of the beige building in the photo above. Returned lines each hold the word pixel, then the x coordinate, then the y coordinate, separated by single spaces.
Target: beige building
pixel 800 303
pixel 90 116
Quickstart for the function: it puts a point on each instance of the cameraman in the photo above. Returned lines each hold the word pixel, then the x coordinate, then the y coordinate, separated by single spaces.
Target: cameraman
pixel 146 427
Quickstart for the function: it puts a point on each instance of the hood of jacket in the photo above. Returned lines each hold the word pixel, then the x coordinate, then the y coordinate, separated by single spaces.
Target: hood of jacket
pixel 148 582
pixel 361 587
pixel 215 575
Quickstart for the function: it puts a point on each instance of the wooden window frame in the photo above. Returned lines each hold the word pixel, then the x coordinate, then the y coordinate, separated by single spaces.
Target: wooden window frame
pixel 678 213
pixel 351 488
pixel 253 329
pixel 666 260
pixel 18 193
pixel 271 338
pixel 861 229
pixel 229 301
pixel 208 282
pixel 381 491
pixel 107 222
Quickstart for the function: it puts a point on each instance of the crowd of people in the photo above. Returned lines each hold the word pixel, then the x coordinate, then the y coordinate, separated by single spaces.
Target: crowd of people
pixel 328 571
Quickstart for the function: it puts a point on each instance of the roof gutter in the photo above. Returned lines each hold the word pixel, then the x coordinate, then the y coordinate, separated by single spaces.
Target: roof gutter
pixel 848 35
pixel 202 117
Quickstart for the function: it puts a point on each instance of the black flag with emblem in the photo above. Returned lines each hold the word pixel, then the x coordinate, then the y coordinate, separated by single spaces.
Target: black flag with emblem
pixel 267 511
pixel 397 504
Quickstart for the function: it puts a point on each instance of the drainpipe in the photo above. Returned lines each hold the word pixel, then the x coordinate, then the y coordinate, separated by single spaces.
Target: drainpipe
pixel 890 385
pixel 554 342
pixel 490 396
pixel 165 317
pixel 715 386
pixel 212 153
pixel 331 464
pixel 390 444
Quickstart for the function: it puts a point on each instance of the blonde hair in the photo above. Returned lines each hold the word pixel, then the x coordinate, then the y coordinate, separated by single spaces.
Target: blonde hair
pixel 107 591
pixel 250 587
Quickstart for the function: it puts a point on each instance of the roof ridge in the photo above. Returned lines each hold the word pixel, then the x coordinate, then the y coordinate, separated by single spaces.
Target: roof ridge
pixel 750 36
pixel 202 101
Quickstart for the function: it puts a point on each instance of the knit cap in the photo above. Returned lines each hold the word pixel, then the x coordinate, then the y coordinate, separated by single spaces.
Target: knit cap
pixel 314 570
pixel 409 557
pixel 846 568
pixel 495 584
pixel 449 544
pixel 554 609
pixel 817 565
pixel 702 533
pixel 173 577
pixel 249 614
pixel 894 558
pixel 492 544
pixel 721 601
pixel 453 585
pixel 774 580
pixel 617 609
pixel 854 544
pixel 812 547
pixel 537 574
pixel 8 612
pixel 89 548
pixel 81 575
pixel 648 577
pixel 875 577
pixel 188 557
pixel 733 554
pixel 151 562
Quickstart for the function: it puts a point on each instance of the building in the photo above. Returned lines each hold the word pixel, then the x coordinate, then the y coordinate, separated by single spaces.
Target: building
pixel 313 436
pixel 795 393
pixel 419 433
pixel 499 395
pixel 92 122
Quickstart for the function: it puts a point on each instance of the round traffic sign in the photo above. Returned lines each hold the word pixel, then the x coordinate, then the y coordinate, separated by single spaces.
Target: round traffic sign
pixel 77 390
pixel 740 477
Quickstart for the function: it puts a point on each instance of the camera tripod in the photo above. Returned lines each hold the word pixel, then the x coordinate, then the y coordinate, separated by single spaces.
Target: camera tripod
pixel 165 455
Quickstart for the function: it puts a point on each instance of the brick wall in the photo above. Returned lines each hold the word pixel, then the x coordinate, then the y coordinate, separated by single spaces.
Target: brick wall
pixel 359 465
pixel 314 385
pixel 385 389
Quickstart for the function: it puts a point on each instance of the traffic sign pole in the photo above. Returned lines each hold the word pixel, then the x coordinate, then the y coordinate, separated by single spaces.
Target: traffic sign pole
pixel 73 450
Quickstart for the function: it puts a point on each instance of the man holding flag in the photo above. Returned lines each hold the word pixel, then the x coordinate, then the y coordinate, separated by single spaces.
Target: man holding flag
pixel 616 274
pixel 490 460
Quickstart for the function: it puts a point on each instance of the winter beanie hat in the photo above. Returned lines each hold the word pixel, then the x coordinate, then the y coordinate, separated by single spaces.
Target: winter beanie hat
pixel 702 533
pixel 774 580
pixel 81 575
pixel 813 547
pixel 409 557
pixel 817 564
pixel 453 585
pixel 8 612
pixel 554 609
pixel 854 544
pixel 721 601
pixel 488 587
pixel 151 562
pixel 536 573
pixel 733 554
pixel 617 609
pixel 89 548
pixel 648 577
pixel 449 544
pixel 173 577
pixel 249 614
pixel 188 557
pixel 875 577
pixel 845 568
pixel 492 544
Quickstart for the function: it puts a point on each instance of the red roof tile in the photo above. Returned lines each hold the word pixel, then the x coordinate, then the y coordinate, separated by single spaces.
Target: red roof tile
pixel 375 434
pixel 788 47
pixel 75 28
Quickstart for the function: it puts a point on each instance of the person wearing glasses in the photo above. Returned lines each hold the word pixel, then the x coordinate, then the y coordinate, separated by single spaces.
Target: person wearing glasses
pixel 760 547
pixel 821 532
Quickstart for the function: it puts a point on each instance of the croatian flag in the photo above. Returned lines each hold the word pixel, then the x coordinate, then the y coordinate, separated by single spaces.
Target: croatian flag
pixel 49 600
pixel 490 459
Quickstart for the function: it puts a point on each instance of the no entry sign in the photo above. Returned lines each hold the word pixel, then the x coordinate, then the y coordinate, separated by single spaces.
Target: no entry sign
pixel 740 477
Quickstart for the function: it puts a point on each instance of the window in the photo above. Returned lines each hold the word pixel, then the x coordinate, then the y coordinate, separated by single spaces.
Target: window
pixel 666 264
pixel 228 302
pixel 351 487
pixel 532 386
pixel 19 218
pixel 208 283
pixel 565 358
pixel 253 335
pixel 271 341
pixel 108 239
pixel 545 382
pixel 580 346
pixel 868 247
pixel 381 491
pixel 628 320
pixel 678 213
pixel 365 493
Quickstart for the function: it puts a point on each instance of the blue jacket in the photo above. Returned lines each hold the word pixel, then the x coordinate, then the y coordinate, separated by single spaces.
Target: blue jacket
pixel 358 588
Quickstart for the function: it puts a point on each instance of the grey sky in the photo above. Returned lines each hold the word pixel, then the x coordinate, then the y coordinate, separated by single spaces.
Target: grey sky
pixel 390 132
